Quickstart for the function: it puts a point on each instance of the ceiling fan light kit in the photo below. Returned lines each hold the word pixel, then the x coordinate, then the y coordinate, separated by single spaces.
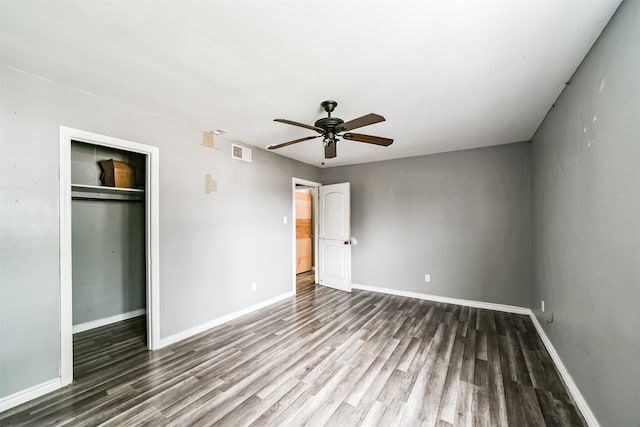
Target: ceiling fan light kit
pixel 330 128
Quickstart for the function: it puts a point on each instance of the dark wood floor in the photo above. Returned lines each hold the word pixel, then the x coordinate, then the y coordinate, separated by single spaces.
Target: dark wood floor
pixel 322 358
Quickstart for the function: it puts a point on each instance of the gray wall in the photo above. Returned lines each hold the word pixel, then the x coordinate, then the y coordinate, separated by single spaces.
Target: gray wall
pixel 108 258
pixel 107 240
pixel 212 246
pixel 29 249
pixel 586 200
pixel 464 217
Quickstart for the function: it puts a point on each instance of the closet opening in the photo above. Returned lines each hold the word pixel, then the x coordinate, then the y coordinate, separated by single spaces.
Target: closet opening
pixel 108 255
pixel 109 269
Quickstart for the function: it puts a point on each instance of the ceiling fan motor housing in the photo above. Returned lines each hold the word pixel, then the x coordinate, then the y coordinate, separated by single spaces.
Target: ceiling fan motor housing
pixel 330 126
pixel 329 123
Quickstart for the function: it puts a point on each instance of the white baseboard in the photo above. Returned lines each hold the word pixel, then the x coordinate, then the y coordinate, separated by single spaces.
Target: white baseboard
pixel 469 303
pixel 30 393
pixel 81 327
pixel 582 404
pixel 220 320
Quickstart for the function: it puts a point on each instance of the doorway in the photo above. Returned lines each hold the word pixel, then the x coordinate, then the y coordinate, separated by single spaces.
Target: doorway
pixel 304 226
pixel 332 240
pixel 304 230
pixel 150 266
pixel 305 265
pixel 108 254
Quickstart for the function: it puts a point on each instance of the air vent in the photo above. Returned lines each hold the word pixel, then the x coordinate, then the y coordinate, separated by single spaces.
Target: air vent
pixel 240 153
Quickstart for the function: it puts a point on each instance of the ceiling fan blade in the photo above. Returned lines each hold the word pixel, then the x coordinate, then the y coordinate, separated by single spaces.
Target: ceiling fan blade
pixel 302 125
pixel 330 151
pixel 378 140
pixel 366 120
pixel 295 141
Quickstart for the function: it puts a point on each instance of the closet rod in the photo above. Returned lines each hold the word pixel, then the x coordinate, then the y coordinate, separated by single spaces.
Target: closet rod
pixel 96 192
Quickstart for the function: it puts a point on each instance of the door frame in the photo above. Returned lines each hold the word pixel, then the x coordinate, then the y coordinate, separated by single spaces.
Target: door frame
pixel 152 242
pixel 314 201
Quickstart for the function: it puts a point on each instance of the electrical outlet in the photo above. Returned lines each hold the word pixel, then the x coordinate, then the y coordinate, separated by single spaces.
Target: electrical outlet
pixel 254 286
pixel 427 277
pixel 542 305
pixel 284 219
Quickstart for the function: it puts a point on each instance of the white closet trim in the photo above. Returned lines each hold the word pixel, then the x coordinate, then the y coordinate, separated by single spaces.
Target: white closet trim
pixel 152 239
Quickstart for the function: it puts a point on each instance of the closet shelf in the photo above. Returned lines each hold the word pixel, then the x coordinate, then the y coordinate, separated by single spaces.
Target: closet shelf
pixel 97 192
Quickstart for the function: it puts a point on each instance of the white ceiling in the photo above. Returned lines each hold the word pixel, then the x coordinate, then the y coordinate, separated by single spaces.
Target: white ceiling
pixel 447 75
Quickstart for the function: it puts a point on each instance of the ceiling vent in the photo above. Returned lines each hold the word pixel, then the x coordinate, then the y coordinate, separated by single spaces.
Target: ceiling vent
pixel 240 153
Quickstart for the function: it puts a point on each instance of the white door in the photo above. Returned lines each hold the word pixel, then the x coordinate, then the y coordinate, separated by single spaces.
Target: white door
pixel 334 236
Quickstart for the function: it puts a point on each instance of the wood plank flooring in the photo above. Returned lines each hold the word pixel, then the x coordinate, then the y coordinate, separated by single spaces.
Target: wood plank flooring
pixel 322 358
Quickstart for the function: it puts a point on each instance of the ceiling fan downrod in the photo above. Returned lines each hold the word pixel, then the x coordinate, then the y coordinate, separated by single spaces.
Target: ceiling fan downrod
pixel 329 106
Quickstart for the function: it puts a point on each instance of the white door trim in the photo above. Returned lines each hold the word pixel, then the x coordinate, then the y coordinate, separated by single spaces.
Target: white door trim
pixel 314 194
pixel 152 239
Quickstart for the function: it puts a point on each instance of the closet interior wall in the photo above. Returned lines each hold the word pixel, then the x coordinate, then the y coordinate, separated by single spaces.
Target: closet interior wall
pixel 108 240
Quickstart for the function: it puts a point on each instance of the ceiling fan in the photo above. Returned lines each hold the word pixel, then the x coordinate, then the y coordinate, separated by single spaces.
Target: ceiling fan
pixel 330 129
